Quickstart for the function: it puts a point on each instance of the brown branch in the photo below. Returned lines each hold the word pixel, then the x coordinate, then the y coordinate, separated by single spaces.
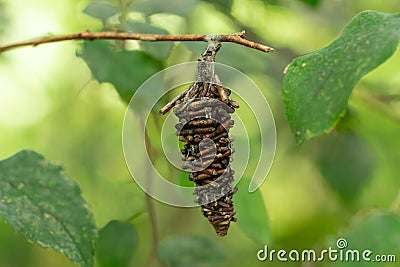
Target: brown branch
pixel 237 38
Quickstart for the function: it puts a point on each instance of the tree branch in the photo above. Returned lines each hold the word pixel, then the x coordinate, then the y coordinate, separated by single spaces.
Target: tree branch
pixel 237 38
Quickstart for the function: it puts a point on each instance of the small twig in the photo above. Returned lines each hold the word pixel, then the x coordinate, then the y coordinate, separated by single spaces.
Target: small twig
pixel 173 102
pixel 237 38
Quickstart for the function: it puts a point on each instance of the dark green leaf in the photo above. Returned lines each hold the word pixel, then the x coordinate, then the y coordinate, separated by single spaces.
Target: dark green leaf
pixel 317 86
pixel 159 50
pixel 178 7
pixel 194 251
pixel 346 162
pixel 312 3
pixel 378 233
pixel 45 205
pixel 117 242
pixel 251 213
pixel 126 70
pixel 101 10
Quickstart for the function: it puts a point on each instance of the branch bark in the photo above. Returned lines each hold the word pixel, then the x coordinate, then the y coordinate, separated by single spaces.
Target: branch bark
pixel 237 38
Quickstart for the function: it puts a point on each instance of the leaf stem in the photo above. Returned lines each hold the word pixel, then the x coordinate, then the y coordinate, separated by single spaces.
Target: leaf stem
pixel 154 230
pixel 150 206
pixel 135 215
pixel 237 38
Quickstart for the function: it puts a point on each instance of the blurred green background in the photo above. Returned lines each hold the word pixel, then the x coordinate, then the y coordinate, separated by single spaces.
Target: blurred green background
pixel 50 103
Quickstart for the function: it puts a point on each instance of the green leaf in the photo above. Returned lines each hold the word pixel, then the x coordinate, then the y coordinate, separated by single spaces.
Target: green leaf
pixel 251 213
pixel 101 10
pixel 194 251
pixel 317 86
pixel 159 50
pixel 346 162
pixel 378 233
pixel 45 205
pixel 117 242
pixel 126 70
pixel 177 7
